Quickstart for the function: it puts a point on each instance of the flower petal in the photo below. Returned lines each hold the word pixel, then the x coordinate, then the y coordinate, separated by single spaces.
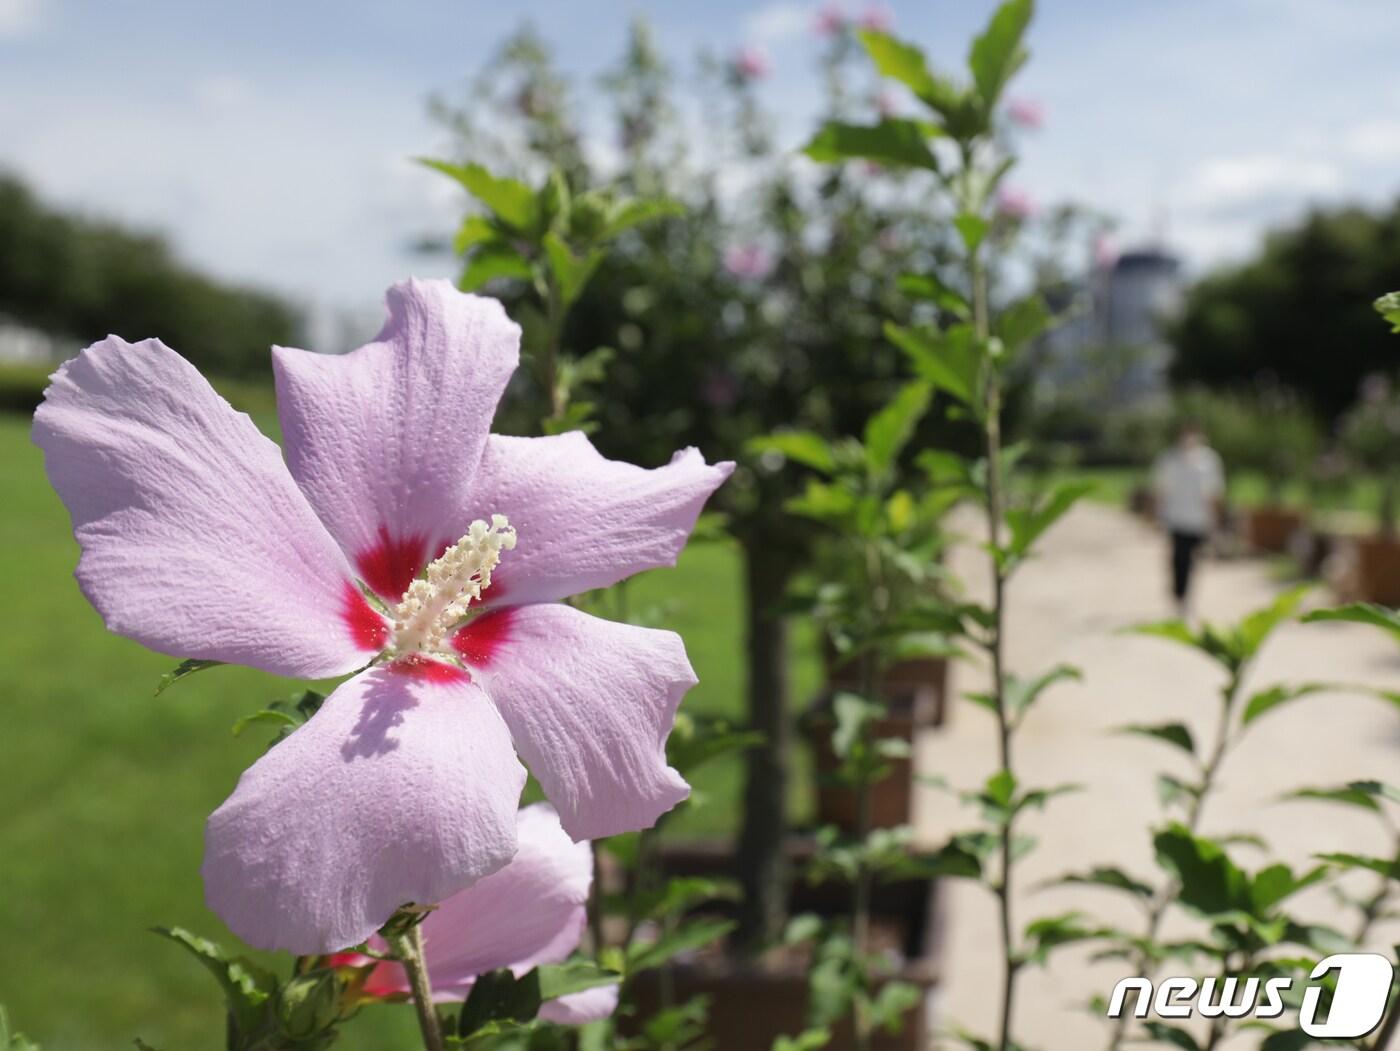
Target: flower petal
pixel 195 540
pixel 532 911
pixel 383 438
pixel 402 788
pixel 583 521
pixel 578 1008
pixel 589 704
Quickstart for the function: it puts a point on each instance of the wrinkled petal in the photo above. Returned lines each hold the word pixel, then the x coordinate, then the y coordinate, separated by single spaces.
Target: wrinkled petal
pixel 402 788
pixel 532 911
pixel 578 1008
pixel 382 439
pixel 195 540
pixel 583 521
pixel 589 704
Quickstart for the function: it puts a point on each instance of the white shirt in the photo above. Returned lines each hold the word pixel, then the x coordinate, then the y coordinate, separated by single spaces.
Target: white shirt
pixel 1187 483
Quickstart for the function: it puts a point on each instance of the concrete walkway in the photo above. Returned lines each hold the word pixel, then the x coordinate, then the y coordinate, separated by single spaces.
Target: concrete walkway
pixel 1099 571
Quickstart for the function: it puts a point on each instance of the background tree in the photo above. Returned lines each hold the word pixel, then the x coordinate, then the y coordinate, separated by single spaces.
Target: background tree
pixel 1299 309
pixel 82 278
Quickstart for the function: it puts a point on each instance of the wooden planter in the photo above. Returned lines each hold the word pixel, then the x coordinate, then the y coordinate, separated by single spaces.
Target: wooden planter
pixel 916 693
pixel 1370 570
pixel 1269 529
pixel 753 1003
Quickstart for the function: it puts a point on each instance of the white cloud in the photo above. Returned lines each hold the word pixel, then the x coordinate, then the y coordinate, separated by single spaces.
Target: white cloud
pixel 1373 141
pixel 1224 182
pixel 776 23
pixel 19 18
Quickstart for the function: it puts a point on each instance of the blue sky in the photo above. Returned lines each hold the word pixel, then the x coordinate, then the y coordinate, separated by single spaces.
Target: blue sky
pixel 270 140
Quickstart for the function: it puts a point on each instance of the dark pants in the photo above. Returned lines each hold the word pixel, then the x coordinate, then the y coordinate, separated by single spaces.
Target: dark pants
pixel 1184 547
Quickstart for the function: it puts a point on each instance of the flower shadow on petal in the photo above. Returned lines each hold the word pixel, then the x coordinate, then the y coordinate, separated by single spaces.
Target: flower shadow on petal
pixel 373 733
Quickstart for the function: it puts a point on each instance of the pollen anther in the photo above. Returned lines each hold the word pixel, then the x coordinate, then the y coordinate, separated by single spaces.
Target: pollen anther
pixel 437 602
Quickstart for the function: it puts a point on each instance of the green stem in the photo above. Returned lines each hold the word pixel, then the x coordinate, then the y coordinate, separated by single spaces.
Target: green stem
pixel 408 948
pixel 994 497
pixel 1167 894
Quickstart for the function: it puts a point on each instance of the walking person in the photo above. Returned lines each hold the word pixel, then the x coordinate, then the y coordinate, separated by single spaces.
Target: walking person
pixel 1188 482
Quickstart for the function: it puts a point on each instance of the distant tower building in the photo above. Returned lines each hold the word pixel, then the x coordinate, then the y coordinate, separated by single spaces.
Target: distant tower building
pixel 1142 290
pixel 1111 349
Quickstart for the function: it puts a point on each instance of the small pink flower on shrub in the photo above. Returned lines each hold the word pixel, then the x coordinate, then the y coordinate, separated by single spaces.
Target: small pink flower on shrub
pixel 1026 113
pixel 1105 251
pixel 877 17
pixel 393 537
pixel 1014 203
pixel 750 262
pixel 830 20
pixel 751 63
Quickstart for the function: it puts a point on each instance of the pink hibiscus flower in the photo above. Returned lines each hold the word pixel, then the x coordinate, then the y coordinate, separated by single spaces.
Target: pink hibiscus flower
pixel 1026 113
pixel 531 912
pixel 1015 204
pixel 829 21
pixel 751 63
pixel 877 17
pixel 199 540
pixel 748 261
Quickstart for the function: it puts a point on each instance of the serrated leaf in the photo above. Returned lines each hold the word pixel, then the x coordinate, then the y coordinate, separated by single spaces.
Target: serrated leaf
pixel 1021 694
pixel 571 272
pixel 1268 699
pixel 1388 306
pixel 1387 867
pixel 972 229
pixel 1028 524
pixel 688 937
pixel 499 996
pixel 475 230
pixel 895 142
pixel 929 287
pixel 573 976
pixel 1112 878
pixel 636 211
pixel 1345 794
pixel 805 447
pixel 998 52
pixel 1360 613
pixel 267 716
pixel 889 430
pixel 514 203
pixel 247 987
pixel 1022 322
pixel 950 360
pixel 182 671
pixel 1176 734
pixel 491 262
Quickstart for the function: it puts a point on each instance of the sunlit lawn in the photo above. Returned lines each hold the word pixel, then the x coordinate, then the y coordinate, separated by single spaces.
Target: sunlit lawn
pixel 104 788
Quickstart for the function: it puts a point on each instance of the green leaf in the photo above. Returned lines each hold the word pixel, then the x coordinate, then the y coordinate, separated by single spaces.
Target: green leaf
pixel 1020 694
pixel 511 201
pixel 1256 627
pixel 1361 613
pixel 805 447
pixel 638 210
pixel 900 61
pixel 1387 867
pixel 493 261
pixel 695 934
pixel 889 430
pixel 269 716
pixel 1267 700
pixel 1051 932
pixel 1211 884
pixel 1348 795
pixel 182 671
pixel 475 230
pixel 696 740
pixel 1172 733
pixel 950 360
pixel 895 142
pixel 853 715
pixel 972 229
pixel 1170 1034
pixel 573 976
pixel 1388 306
pixel 927 286
pixel 1113 878
pixel 1022 322
pixel 247 987
pixel 571 273
pixel 1028 524
pixel 891 1004
pixel 998 52
pixel 807 1040
pixel 499 996
pixel 1287 1040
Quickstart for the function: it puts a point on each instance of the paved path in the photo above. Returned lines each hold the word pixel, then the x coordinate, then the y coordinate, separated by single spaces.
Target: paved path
pixel 1099 571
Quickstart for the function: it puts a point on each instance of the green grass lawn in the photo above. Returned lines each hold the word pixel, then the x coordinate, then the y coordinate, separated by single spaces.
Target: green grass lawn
pixel 104 788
